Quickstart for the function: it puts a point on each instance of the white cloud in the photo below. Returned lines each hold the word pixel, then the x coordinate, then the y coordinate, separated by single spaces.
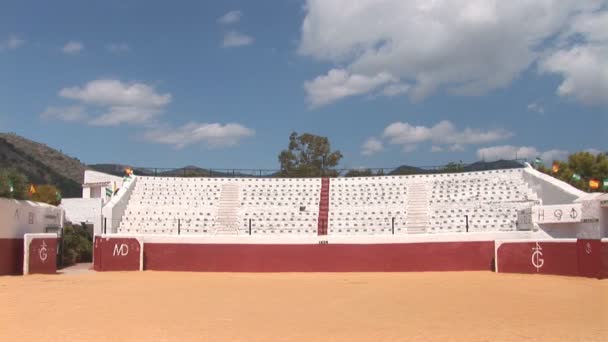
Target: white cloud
pixel 520 152
pixel 118 47
pixel 582 60
pixel 213 135
pixel 68 113
pixel 442 134
pixel 371 146
pixel 121 102
pixel 436 148
pixel 585 72
pixel 467 46
pixel 236 39
pixel 117 115
pixel 13 42
pixel 339 83
pixel 396 89
pixel 72 48
pixel 231 17
pixel 107 92
pixel 535 107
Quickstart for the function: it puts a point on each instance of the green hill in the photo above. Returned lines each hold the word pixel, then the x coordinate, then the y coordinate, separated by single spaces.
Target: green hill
pixel 42 164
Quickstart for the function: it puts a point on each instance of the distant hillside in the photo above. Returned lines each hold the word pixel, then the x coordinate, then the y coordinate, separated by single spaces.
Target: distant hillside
pixel 42 164
pixel 495 165
pixel 477 166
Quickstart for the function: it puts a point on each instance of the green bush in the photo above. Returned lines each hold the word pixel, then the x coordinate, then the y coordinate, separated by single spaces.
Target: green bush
pixel 77 245
pixel 15 179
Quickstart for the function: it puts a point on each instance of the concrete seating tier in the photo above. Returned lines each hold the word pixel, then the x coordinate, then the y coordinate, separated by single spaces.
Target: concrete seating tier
pixel 436 203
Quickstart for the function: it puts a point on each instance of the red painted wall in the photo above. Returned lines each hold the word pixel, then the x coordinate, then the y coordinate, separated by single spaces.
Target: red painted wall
pixel 589 258
pixel 116 254
pixel 43 256
pixel 11 256
pixel 604 260
pixel 437 256
pixel 556 258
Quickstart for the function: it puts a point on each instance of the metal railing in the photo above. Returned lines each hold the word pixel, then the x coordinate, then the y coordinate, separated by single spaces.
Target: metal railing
pixel 337 172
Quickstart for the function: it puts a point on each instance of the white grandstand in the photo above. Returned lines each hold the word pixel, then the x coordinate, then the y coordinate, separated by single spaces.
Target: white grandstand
pixel 487 201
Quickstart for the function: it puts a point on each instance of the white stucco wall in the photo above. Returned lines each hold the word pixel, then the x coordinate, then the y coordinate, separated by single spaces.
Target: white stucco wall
pixel 113 210
pixel 22 217
pixel 549 189
pixel 91 176
pixel 83 210
pixel 98 191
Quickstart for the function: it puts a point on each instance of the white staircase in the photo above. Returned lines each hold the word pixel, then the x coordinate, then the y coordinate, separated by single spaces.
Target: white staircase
pixel 227 213
pixel 417 208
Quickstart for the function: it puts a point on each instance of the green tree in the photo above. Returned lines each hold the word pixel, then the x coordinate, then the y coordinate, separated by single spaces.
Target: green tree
pixel 453 167
pixel 308 155
pixel 13 184
pixel 77 245
pixel 359 173
pixel 584 164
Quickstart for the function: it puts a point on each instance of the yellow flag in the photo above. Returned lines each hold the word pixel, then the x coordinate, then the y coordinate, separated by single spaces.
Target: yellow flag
pixel 555 168
pixel 594 184
pixel 32 189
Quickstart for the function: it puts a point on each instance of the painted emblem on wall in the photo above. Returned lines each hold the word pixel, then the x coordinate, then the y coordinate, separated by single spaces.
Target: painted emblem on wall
pixel 42 253
pixel 121 250
pixel 588 249
pixel 537 257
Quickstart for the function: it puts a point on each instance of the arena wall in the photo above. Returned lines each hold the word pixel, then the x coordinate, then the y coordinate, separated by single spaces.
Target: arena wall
pixel 569 257
pixel 308 256
pixel 604 258
pixel 438 256
pixel 40 254
pixel 18 219
pixel 117 254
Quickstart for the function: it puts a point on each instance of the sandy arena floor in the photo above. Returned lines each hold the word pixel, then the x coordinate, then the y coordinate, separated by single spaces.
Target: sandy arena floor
pixel 159 306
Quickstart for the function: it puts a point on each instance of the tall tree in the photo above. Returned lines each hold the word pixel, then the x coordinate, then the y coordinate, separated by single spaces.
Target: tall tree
pixel 584 165
pixel 308 155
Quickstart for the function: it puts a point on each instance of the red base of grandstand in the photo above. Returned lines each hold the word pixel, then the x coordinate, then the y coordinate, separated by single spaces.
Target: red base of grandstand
pixel 42 256
pixel 11 256
pixel 438 256
pixel 587 258
pixel 583 257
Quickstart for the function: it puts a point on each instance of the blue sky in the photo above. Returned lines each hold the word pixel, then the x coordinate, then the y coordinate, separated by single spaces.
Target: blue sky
pixel 222 84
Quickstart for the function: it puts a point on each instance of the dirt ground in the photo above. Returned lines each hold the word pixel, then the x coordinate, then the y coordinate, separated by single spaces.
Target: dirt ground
pixel 161 306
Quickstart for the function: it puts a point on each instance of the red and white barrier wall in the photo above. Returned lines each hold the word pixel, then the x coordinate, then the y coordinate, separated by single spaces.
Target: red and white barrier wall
pixel 125 253
pixel 569 257
pixel 118 254
pixel 17 219
pixel 40 254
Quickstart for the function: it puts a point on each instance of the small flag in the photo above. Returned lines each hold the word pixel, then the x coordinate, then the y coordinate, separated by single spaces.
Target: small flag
pixel 605 186
pixel 576 177
pixel 555 168
pixel 32 189
pixel 11 189
pixel 108 192
pixel 594 184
